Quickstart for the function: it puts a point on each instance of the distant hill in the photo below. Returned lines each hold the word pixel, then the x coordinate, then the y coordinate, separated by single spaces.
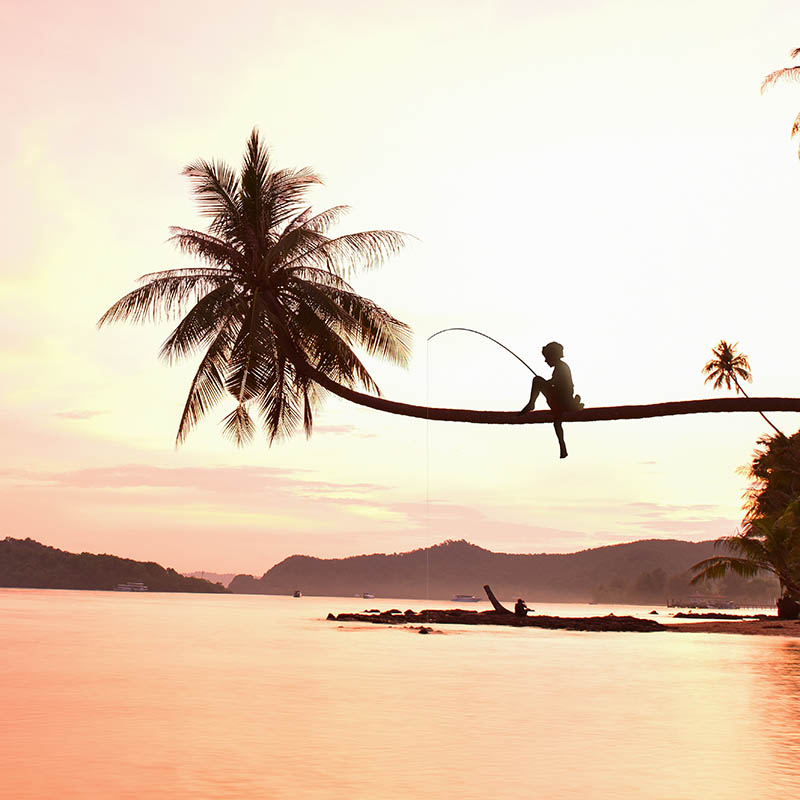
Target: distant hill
pixel 215 577
pixel 25 563
pixel 649 571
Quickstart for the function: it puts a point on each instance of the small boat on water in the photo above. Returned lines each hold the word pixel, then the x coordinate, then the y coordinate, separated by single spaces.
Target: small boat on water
pixel 466 598
pixel 366 595
pixel 297 593
pixel 131 586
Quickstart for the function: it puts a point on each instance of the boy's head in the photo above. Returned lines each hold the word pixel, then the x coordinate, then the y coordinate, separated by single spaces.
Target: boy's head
pixel 553 352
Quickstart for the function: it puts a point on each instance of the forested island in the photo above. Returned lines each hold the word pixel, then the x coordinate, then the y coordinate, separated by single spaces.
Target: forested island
pixel 25 563
pixel 650 571
pixel 647 571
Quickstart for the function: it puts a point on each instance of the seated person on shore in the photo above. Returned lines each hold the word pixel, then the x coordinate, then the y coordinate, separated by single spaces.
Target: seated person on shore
pixel 520 609
pixel 558 391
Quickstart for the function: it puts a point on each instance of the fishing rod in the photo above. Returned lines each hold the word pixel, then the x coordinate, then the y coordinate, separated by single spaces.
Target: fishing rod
pixel 486 336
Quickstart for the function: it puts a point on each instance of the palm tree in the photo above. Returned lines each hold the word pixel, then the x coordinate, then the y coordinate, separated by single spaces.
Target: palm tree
pixel 767 544
pixel 728 367
pixel 785 74
pixel 271 305
pixel 279 323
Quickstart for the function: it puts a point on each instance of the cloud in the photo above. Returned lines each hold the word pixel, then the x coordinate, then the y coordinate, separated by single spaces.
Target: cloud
pixel 697 519
pixel 342 430
pixel 213 480
pixel 665 509
pixel 78 414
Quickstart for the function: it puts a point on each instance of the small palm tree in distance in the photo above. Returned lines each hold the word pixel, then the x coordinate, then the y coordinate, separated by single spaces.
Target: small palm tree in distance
pixel 785 74
pixel 729 367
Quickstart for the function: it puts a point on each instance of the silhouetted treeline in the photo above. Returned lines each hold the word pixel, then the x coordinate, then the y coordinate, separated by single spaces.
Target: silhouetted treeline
pixel 25 563
pixel 649 571
pixel 657 587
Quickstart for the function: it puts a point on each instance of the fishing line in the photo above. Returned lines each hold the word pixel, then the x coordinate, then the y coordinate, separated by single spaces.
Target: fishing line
pixel 485 336
pixel 428 429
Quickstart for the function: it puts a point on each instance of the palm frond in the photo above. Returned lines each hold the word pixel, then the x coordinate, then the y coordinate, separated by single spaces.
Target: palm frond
pixel 718 566
pixel 327 351
pixel 280 404
pixel 361 320
pixel 286 193
pixel 215 251
pixel 212 273
pixel 254 192
pixel 252 358
pixel 785 74
pixel 291 246
pixel 239 426
pixel 200 325
pixel 796 125
pixel 208 384
pixel 160 298
pixel 216 187
pixel 319 223
pixel 346 254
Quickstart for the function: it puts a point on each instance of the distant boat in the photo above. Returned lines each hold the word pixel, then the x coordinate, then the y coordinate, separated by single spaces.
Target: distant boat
pixel 466 598
pixel 131 586
pixel 366 595
pixel 297 593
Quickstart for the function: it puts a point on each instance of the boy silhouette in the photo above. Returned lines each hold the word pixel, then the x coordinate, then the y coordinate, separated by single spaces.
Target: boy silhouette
pixel 558 391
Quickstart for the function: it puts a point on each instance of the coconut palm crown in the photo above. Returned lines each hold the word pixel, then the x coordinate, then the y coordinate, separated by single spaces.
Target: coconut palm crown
pixel 785 74
pixel 727 368
pixel 270 304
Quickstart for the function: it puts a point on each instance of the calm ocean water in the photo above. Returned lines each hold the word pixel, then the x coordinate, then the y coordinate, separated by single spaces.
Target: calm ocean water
pixel 117 695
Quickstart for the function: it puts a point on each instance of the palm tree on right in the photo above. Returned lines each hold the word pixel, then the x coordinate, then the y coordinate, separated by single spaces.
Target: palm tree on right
pixel 766 544
pixel 727 368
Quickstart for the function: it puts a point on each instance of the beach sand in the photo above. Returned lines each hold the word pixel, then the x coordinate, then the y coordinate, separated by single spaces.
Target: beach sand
pixel 761 627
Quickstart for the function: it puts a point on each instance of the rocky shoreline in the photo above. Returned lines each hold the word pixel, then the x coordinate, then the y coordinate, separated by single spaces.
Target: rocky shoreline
pixel 458 616
pixel 761 624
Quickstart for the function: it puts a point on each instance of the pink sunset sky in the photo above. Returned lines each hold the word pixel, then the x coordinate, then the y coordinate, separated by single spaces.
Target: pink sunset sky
pixel 601 173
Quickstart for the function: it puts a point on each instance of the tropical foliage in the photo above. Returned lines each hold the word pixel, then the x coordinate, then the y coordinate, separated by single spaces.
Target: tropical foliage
pixel 767 544
pixel 770 538
pixel 270 305
pixel 774 474
pixel 785 74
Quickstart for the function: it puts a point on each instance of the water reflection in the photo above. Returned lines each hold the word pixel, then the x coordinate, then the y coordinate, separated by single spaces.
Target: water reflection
pixel 778 677
pixel 231 696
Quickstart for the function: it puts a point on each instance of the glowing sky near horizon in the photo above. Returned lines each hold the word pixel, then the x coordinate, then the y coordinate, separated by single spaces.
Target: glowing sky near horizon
pixel 604 174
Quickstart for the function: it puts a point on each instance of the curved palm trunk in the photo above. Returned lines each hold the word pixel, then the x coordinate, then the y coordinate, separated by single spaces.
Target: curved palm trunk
pixel 779 432
pixel 714 405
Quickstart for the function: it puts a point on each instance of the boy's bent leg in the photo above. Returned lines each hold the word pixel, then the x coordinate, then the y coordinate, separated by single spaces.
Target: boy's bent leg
pixel 538 384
